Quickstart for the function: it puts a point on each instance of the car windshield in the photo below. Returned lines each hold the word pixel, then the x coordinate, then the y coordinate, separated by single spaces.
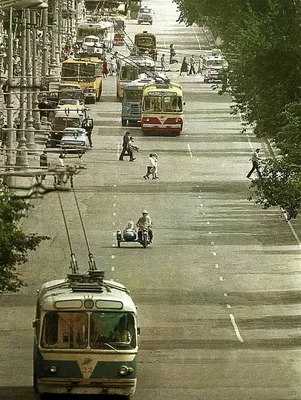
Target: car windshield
pixel 98 330
pixel 72 102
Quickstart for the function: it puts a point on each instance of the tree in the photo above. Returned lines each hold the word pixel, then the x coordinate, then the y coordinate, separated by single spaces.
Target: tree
pixel 279 185
pixel 261 40
pixel 14 243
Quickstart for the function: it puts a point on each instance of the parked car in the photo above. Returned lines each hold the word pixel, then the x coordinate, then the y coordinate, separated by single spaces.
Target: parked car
pixel 74 141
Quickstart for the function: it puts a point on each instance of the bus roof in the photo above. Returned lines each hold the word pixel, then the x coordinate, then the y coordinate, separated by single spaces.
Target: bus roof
pixel 72 294
pixel 163 87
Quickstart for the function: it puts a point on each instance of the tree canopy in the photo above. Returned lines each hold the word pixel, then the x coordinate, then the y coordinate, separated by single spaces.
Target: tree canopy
pixel 261 41
pixel 14 242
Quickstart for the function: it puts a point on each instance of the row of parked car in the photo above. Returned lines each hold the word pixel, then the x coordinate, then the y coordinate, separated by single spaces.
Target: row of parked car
pixel 64 107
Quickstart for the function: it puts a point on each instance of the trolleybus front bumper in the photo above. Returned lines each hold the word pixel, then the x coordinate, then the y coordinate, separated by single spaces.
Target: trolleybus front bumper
pixel 123 387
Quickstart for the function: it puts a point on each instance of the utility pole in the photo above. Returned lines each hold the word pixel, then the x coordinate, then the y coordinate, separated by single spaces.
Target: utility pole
pixel 30 131
pixel 35 81
pixel 10 133
pixel 44 69
pixel 22 156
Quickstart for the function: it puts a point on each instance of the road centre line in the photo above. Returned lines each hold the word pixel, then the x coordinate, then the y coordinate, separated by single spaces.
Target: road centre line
pixel 196 36
pixel 189 149
pixel 236 328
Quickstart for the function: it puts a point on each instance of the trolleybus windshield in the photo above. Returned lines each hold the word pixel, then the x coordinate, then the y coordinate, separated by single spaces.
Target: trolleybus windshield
pixel 158 103
pixel 97 330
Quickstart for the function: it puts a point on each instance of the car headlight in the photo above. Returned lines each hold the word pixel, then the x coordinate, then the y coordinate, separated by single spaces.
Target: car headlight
pixel 52 369
pixel 124 370
pixel 127 108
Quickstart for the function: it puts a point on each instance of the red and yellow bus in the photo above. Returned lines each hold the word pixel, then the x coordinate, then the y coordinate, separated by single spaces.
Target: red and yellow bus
pixel 162 108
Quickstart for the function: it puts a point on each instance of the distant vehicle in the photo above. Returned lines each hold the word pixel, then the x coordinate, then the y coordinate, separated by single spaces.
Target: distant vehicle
pixel 119 26
pixel 73 102
pixel 74 141
pixel 162 108
pixel 130 69
pixel 212 66
pixel 92 45
pixel 104 30
pixel 131 101
pixel 146 44
pixel 85 337
pixel 145 16
pixel 87 73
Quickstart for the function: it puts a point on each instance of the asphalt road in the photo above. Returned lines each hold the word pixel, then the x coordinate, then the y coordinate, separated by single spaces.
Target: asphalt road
pixel 218 290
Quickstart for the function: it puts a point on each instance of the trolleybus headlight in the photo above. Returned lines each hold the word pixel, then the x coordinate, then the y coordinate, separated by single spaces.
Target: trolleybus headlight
pixel 124 370
pixel 52 369
pixel 89 303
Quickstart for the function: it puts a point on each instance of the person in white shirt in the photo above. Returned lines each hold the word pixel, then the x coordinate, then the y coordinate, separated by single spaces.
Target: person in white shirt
pixel 151 167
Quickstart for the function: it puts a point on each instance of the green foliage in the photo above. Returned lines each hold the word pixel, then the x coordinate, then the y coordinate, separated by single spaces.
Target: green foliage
pixel 14 243
pixel 279 185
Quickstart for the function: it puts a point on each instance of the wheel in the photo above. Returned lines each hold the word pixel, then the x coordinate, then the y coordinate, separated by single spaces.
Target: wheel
pixel 118 243
pixel 123 122
pixel 144 240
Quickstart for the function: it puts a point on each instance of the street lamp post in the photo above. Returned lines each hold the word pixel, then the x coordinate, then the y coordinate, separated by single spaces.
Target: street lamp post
pixel 10 133
pixel 29 121
pixel 35 102
pixel 21 151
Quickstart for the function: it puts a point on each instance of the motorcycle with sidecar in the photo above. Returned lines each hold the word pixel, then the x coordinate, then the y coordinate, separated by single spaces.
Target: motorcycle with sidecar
pixel 131 236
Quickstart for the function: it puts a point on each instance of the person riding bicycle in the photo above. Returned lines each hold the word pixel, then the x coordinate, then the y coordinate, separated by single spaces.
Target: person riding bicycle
pixel 145 222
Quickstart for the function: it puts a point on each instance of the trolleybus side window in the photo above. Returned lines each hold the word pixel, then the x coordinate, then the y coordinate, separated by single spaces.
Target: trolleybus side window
pixel 65 330
pixel 115 329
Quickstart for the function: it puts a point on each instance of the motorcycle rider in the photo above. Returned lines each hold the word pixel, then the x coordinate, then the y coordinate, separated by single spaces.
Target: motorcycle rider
pixel 145 222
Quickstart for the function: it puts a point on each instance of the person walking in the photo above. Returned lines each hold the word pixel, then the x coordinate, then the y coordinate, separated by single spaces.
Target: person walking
pixel 127 147
pixel 172 54
pixel 105 70
pixel 184 67
pixel 192 64
pixel 201 65
pixel 151 167
pixel 163 63
pixel 255 163
pixel 43 162
pixel 155 161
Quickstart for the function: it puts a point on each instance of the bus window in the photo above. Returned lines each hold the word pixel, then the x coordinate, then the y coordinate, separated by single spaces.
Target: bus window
pixel 172 104
pixel 87 70
pixel 132 95
pixel 70 71
pixel 112 329
pixel 65 330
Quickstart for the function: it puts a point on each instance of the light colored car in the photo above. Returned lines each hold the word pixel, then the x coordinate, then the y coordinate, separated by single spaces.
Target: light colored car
pixel 74 141
pixel 145 15
pixel 212 66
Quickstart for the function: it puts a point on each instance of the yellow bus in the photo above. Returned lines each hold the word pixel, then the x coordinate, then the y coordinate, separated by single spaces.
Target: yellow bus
pixel 87 73
pixel 162 108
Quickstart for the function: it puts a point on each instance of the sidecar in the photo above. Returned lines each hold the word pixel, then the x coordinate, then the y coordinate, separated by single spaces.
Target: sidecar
pixel 132 237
